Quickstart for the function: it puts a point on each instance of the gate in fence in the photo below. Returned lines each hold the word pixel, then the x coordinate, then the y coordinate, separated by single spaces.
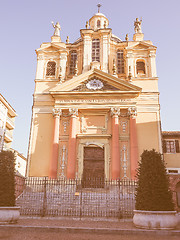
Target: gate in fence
pixel 76 198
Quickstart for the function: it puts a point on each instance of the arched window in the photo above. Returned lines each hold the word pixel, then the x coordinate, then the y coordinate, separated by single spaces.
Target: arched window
pixel 120 61
pixel 73 59
pixel 140 67
pixel 95 50
pixel 51 68
pixel 178 193
pixel 98 23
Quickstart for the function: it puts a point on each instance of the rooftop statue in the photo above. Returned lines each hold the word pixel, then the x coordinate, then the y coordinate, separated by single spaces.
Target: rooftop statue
pixel 137 25
pixel 57 29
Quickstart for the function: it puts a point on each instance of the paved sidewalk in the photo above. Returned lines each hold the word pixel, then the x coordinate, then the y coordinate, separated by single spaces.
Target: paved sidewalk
pixel 86 226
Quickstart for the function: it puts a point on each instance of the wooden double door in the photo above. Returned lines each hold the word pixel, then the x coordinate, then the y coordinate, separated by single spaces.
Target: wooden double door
pixel 93 169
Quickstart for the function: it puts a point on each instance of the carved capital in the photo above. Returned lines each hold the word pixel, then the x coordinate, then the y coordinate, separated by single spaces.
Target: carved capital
pixel 57 112
pixel 73 112
pixel 115 111
pixel 40 57
pixel 152 55
pixel 132 111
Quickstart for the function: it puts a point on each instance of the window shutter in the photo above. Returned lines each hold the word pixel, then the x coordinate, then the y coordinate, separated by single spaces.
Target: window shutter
pixel 164 146
pixel 177 146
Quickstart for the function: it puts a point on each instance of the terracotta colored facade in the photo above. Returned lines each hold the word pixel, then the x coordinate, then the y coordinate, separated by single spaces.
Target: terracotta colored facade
pixel 97 94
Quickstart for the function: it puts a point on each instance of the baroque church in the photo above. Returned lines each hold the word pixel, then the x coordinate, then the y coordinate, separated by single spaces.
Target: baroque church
pixel 95 104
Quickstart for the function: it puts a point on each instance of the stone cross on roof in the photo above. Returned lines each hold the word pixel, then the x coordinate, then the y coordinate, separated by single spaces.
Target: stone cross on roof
pixel 99 5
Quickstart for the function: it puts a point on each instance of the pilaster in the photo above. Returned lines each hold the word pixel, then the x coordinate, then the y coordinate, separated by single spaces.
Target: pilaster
pixel 115 153
pixel 63 60
pixel 87 57
pixel 71 163
pixel 55 144
pixel 152 59
pixel 130 63
pixel 40 66
pixel 133 141
pixel 104 52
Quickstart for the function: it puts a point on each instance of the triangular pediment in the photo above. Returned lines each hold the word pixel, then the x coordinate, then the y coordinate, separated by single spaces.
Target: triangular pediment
pixel 141 45
pixel 52 47
pixel 95 81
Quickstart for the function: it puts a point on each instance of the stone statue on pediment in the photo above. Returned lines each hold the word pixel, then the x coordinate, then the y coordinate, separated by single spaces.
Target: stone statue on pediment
pixel 57 29
pixel 137 25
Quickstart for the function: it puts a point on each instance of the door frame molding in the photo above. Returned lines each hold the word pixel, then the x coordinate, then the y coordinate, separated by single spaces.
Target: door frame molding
pixel 103 143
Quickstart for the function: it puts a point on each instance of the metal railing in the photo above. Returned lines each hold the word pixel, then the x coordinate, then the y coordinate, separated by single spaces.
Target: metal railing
pixel 76 198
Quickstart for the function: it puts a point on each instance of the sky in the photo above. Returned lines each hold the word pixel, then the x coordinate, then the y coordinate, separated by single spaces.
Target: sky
pixel 25 25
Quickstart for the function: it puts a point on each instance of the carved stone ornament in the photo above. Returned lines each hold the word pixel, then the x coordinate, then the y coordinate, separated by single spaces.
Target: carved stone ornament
pixel 73 112
pixel 115 111
pixel 124 126
pixel 132 111
pixel 94 84
pixel 57 112
pixel 124 161
pixel 137 25
pixel 63 161
pixel 57 29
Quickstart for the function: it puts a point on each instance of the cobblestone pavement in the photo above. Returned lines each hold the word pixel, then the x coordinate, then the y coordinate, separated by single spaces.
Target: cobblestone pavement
pixel 90 229
pixel 85 223
pixel 29 234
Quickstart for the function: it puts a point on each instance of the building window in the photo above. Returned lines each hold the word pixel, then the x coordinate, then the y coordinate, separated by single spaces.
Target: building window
pixel 95 50
pixel 98 23
pixel 172 171
pixel 73 56
pixel 171 146
pixel 140 67
pixel 120 61
pixel 51 68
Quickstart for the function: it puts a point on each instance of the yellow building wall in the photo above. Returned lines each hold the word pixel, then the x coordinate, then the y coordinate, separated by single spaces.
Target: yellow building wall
pixel 147 131
pixel 41 145
pixel 172 160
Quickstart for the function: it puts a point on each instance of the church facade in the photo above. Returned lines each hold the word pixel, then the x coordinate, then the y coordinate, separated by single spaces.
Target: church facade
pixel 95 104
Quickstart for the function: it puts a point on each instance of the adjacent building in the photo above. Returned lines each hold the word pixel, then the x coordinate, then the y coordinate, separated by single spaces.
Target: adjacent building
pixel 171 150
pixel 96 104
pixel 7 118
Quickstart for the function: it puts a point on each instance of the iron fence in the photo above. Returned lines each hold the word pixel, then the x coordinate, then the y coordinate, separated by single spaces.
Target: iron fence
pixel 76 198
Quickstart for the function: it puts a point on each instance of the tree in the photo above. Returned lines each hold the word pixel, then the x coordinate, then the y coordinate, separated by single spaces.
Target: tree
pixel 152 192
pixel 7 179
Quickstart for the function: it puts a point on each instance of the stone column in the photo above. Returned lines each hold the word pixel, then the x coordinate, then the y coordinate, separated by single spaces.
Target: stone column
pixel 115 151
pixel 133 142
pixel 55 144
pixel 71 163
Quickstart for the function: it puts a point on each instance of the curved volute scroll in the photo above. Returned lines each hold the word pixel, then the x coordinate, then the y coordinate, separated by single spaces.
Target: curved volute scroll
pixel 57 112
pixel 73 112
pixel 115 111
pixel 132 112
